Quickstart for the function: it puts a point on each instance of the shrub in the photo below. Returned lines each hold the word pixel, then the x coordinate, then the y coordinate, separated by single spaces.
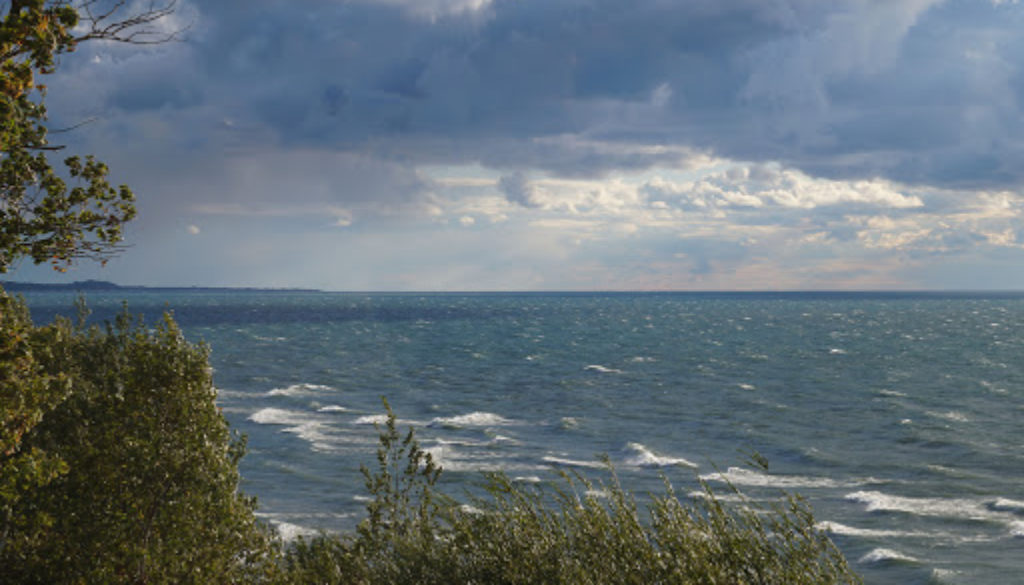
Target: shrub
pixel 576 532
pixel 136 475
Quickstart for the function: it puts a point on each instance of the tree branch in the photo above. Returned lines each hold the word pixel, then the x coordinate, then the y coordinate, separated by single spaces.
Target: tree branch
pixel 134 29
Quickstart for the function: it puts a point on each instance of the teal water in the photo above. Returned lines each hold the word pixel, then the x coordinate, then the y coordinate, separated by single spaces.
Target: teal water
pixel 898 416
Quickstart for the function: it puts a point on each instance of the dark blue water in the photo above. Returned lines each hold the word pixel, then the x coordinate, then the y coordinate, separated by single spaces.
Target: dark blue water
pixel 897 415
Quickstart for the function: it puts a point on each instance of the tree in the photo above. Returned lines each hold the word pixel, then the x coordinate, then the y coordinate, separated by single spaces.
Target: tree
pixel 130 473
pixel 116 465
pixel 42 217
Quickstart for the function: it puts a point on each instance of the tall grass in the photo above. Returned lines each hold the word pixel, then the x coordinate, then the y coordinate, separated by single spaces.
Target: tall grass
pixel 576 532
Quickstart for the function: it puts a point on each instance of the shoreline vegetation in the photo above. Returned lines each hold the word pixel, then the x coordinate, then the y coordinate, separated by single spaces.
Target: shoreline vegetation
pixel 106 286
pixel 116 466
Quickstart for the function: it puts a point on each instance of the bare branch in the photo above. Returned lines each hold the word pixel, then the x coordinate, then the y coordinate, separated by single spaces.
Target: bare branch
pixel 104 22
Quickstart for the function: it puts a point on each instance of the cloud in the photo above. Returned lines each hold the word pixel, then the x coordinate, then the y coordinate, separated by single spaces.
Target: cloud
pixel 854 89
pixel 673 143
pixel 518 190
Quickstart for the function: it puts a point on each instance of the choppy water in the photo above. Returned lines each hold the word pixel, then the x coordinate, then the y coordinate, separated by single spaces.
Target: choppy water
pixel 898 416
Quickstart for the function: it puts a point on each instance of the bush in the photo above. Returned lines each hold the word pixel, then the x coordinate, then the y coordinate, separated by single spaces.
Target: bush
pixel 117 465
pixel 577 532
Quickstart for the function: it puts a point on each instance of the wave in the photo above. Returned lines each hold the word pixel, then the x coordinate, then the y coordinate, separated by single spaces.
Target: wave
pixel 306 426
pixel 887 555
pixel 299 389
pixel 473 419
pixel 643 457
pixel 844 530
pixel 278 416
pixel 1017 529
pixel 745 477
pixel 289 532
pixel 602 369
pixel 943 575
pixel 371 419
pixel 1000 511
pixel 451 457
pixel 531 479
pixel 1008 505
pixel 952 415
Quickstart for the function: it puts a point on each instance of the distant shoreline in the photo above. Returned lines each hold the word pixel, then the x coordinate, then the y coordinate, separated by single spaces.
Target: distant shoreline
pixel 83 286
pixel 102 285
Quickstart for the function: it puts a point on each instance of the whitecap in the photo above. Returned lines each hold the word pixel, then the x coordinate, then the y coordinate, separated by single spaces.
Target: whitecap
pixel 941 575
pixel 299 389
pixel 569 422
pixel 371 419
pixel 886 555
pixel 278 416
pixel 532 479
pixel 640 359
pixel 1008 505
pixel 643 457
pixel 1017 529
pixel 843 529
pixel 602 369
pixel 332 408
pixel 289 532
pixel 472 459
pixel 837 351
pixel 746 477
pixel 506 440
pixel 952 415
pixel 747 387
pixel 963 508
pixel 473 419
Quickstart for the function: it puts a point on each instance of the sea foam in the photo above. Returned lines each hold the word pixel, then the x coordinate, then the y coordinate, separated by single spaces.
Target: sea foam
pixel 843 529
pixel 602 369
pixel 886 555
pixel 299 389
pixel 278 416
pixel 956 508
pixel 473 419
pixel 641 456
pixel 371 419
pixel 746 477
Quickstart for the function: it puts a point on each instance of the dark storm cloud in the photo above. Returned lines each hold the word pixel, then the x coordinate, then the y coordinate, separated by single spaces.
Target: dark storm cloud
pixel 920 91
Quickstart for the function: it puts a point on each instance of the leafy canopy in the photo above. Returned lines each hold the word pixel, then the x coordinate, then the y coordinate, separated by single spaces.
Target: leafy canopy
pixel 53 214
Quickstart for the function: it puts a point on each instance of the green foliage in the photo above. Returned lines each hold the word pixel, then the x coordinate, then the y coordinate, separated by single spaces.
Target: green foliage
pixel 575 532
pixel 41 216
pixel 27 393
pixel 118 466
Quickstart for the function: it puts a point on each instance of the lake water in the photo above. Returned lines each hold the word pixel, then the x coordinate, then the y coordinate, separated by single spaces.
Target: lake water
pixel 898 416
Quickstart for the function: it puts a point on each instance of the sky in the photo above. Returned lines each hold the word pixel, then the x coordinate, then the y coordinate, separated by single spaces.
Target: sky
pixel 422 145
